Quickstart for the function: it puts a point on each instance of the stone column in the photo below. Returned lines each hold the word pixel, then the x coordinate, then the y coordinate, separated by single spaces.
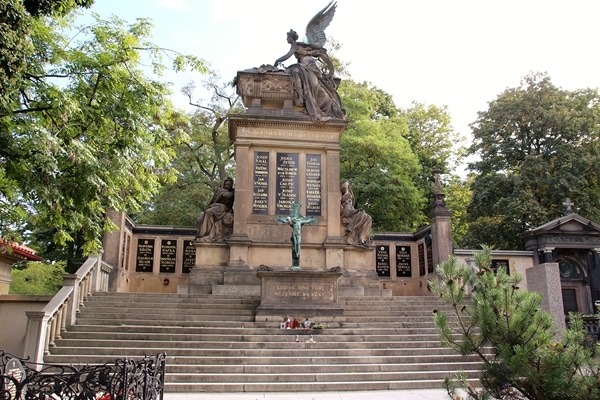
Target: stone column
pixel 239 240
pixel 441 227
pixel 594 271
pixel 547 251
pixel 334 245
pixel 596 256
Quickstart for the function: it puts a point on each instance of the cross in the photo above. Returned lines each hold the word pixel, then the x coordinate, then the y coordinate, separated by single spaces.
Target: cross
pixel 296 221
pixel 569 204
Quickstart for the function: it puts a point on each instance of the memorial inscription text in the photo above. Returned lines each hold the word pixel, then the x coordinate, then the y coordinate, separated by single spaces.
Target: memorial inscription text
pixel 189 256
pixel 144 259
pixel 382 260
pixel 260 190
pixel 313 184
pixel 287 182
pixel 403 261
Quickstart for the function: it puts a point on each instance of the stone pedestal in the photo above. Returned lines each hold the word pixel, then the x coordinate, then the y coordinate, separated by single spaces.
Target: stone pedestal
pixel 298 293
pixel 545 279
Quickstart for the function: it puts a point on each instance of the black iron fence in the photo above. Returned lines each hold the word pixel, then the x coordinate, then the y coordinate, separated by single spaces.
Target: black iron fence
pixel 123 379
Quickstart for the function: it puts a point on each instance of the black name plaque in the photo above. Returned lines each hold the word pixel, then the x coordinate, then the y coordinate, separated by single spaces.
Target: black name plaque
pixel 382 260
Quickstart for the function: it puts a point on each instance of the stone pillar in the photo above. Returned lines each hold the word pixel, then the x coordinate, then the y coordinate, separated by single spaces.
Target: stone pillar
pixel 547 254
pixel 596 256
pixel 594 271
pixel 441 228
pixel 239 240
pixel 5 275
pixel 545 279
pixel 35 336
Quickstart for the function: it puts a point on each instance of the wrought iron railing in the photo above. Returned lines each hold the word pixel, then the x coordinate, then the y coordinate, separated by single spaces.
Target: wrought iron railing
pixel 124 379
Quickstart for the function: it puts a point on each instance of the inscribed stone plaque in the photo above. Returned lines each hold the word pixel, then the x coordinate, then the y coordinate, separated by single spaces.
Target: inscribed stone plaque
pixel 403 261
pixel 299 293
pixel 313 184
pixel 287 182
pixel 429 259
pixel 168 254
pixel 145 255
pixel 189 256
pixel 421 259
pixel 260 189
pixel 382 260
pixel 14 369
pixel 500 264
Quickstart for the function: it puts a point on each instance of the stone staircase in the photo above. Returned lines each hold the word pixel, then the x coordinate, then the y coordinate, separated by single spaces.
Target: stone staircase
pixel 214 345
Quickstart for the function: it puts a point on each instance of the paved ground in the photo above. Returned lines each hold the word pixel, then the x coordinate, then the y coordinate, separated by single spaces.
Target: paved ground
pixel 420 394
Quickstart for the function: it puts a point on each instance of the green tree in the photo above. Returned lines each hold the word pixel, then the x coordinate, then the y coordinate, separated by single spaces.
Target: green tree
pixel 538 145
pixel 37 278
pixel 434 141
pixel 503 325
pixel 17 20
pixel 203 162
pixel 458 197
pixel 89 129
pixel 389 155
pixel 377 159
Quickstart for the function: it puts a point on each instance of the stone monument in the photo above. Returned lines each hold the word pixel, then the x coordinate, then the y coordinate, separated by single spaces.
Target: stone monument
pixel 287 147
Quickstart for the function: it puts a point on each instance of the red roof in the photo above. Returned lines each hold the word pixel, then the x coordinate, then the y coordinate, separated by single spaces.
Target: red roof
pixel 18 250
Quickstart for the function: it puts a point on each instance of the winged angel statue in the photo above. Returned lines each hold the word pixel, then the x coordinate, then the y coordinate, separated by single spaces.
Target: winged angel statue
pixel 312 76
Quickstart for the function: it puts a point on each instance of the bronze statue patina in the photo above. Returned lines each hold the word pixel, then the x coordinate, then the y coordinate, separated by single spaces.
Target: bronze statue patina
pixel 311 77
pixel 216 222
pixel 357 223
pixel 296 221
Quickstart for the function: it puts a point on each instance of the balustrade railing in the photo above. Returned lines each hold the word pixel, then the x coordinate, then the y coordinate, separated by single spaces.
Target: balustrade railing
pixel 44 327
pixel 591 324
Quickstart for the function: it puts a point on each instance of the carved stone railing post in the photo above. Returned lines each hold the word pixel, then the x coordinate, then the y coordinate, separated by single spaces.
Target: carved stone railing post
pixel 35 340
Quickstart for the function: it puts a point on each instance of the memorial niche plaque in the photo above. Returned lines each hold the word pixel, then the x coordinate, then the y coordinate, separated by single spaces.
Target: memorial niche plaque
pixel 189 256
pixel 421 259
pixel 260 189
pixel 403 261
pixel 168 254
pixel 382 260
pixel 144 259
pixel 287 182
pixel 313 184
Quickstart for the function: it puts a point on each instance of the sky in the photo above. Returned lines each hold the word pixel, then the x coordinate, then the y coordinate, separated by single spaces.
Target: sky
pixel 456 53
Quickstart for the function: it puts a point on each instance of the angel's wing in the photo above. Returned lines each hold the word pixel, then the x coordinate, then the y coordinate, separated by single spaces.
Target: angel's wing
pixel 315 30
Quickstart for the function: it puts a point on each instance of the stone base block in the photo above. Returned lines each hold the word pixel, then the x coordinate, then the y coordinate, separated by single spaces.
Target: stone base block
pixel 378 292
pixel 351 291
pixel 236 290
pixel 200 289
pixel 299 293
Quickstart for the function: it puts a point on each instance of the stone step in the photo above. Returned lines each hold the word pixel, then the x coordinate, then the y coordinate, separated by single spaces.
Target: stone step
pixel 213 343
pixel 311 368
pixel 321 376
pixel 302 350
pixel 242 360
pixel 286 387
pixel 289 343
pixel 250 329
pixel 245 338
pixel 167 313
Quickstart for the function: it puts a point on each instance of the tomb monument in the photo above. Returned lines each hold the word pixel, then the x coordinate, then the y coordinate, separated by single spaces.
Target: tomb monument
pixel 287 147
